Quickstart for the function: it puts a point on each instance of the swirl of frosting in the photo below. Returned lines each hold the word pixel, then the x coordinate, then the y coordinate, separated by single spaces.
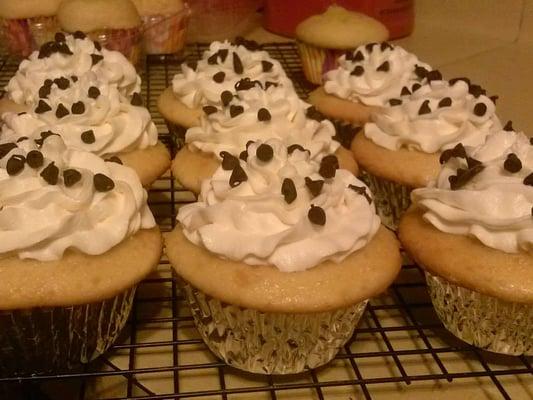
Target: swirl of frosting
pixel 375 73
pixel 491 200
pixel 220 68
pixel 89 114
pixel 53 198
pixel 277 209
pixel 257 114
pixel 437 116
pixel 111 67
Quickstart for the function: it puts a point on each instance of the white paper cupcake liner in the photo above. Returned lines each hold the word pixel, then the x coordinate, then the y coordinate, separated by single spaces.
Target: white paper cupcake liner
pixel 271 343
pixel 483 321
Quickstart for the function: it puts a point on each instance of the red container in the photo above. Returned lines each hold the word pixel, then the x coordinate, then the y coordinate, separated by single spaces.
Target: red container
pixel 282 16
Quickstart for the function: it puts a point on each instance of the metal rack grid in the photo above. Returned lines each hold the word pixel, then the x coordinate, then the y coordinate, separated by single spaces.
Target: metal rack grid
pixel 399 349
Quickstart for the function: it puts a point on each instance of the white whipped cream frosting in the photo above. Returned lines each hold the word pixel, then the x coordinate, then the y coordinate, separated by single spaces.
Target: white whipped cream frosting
pixel 494 206
pixel 221 132
pixel 114 70
pixel 403 126
pixel 196 87
pixel 41 221
pixel 254 224
pixel 374 87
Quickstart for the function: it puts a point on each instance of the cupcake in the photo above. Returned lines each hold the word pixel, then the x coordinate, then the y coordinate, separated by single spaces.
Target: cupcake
pixel 76 237
pixel 401 148
pixel 366 79
pixel 249 114
pixel 323 38
pixel 114 23
pixel 277 263
pixel 164 25
pixel 471 231
pixel 26 25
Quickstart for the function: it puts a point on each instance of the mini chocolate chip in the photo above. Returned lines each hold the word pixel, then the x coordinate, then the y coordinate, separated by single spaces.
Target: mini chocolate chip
pixel 35 159
pixel 44 136
pixel 434 75
pixel 384 67
pixel 226 96
pixel 71 177
pixel 22 113
pixel 79 35
pixel 362 191
pixel 237 177
pixel 480 109
pixel 136 100
pixel 268 84
pixel 103 183
pixel 61 111
pixel 88 137
pixel 508 126
pixel 50 174
pixel 424 108
pixel 494 99
pixel 237 64
pixel 44 91
pixel 5 148
pixel 229 161
pixel 22 138
pixel 476 90
pixel 315 187
pixel 244 155
pixel 420 71
pixel 395 102
pixel 263 115
pixel 531 211
pixel 288 190
pixel 246 84
pixel 249 143
pixel 313 113
pixel 445 102
pixel 212 59
pixel 405 91
pixel 358 56
pixel 208 110
pixel 64 49
pixel 78 108
pixel 251 45
pixel 512 163
pixel 358 71
pixel 415 87
pixel 219 77
pixel 453 81
pixel 97 46
pixel 235 110
pixel 62 83
pixel 464 176
pixel 74 78
pixel 348 55
pixel 445 156
pixel 328 166
pixel 267 66
pixel 459 151
pixel 472 162
pixel 47 49
pixel 192 65
pixel 59 37
pixel 223 54
pixel 114 159
pixel 369 47
pixel 294 147
pixel 48 82
pixel 386 45
pixel 528 180
pixel 15 164
pixel 96 58
pixel 42 107
pixel 264 152
pixel 316 215
pixel 93 92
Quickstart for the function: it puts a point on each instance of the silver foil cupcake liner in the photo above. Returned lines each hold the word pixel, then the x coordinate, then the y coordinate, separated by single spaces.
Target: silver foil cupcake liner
pixel 483 321
pixel 392 199
pixel 56 339
pixel 271 343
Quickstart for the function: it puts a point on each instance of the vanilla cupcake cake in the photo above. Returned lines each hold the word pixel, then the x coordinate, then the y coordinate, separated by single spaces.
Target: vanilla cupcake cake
pixel 278 258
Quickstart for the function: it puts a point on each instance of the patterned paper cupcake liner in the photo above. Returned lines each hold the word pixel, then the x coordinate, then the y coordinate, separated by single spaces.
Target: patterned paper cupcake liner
pixel 165 34
pixel 56 339
pixel 483 321
pixel 22 36
pixel 126 41
pixel 392 199
pixel 316 61
pixel 271 343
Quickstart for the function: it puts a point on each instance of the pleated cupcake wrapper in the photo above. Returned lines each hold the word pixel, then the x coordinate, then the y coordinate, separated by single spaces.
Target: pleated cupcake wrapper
pixel 481 320
pixel 316 61
pixel 22 36
pixel 392 199
pixel 165 34
pixel 126 41
pixel 271 343
pixel 56 339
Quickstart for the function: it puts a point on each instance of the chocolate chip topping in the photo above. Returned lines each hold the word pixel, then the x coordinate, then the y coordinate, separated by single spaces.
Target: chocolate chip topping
pixel 246 84
pixel 508 126
pixel 395 102
pixel 44 91
pixel 434 75
pixel 97 46
pixel 369 47
pixel 317 215
pixel 328 166
pixel 229 161
pixel 79 35
pixel 237 64
pixel 313 113
pixel 35 159
pixel 494 99
pixel 42 107
pixel 405 91
pixel 103 183
pixel 93 92
pixel 208 110
pixel 5 148
pixel 235 110
pixel 420 71
pixel 269 83
pixel 358 56
pixel 345 134
pixel 74 78
pixel 78 108
pixel 424 108
pixel 472 162
pixel 314 187
pixel 288 190
pixel 71 177
pixel 62 83
pixel 264 152
pixel 50 174
pixel 60 37
pixel 243 155
pixel 223 54
pixel 294 147
pixel 44 136
pixel 96 58
pixel 267 66
pixel 251 45
pixel 219 77
pixel 415 87
pixel 47 49
pixel 15 164
pixel 263 115
pixel 528 180
pixel 358 71
pixel 249 143
pixel 88 137
pixel 226 96
pixel 22 113
pixel 512 163
pixel 192 65
pixel 22 138
pixel 114 159
pixel 136 100
pixel 384 67
pixel 361 190
pixel 476 90
pixel 458 151
pixel 531 140
pixel 61 111
pixel 464 176
pixel 237 177
pixel 480 109
pixel 453 81
pixel 445 102
pixel 212 59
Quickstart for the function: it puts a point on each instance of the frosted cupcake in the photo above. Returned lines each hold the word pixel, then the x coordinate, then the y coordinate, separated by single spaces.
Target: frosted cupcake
pixel 472 232
pixel 400 150
pixel 277 262
pixel 76 236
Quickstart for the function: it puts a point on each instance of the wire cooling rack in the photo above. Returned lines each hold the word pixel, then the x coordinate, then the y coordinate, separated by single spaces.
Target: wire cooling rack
pixel 400 350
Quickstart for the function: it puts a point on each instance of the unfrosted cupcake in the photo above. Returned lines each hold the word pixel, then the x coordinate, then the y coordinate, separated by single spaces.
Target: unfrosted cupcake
pixel 76 236
pixel 400 150
pixel 472 232
pixel 277 263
